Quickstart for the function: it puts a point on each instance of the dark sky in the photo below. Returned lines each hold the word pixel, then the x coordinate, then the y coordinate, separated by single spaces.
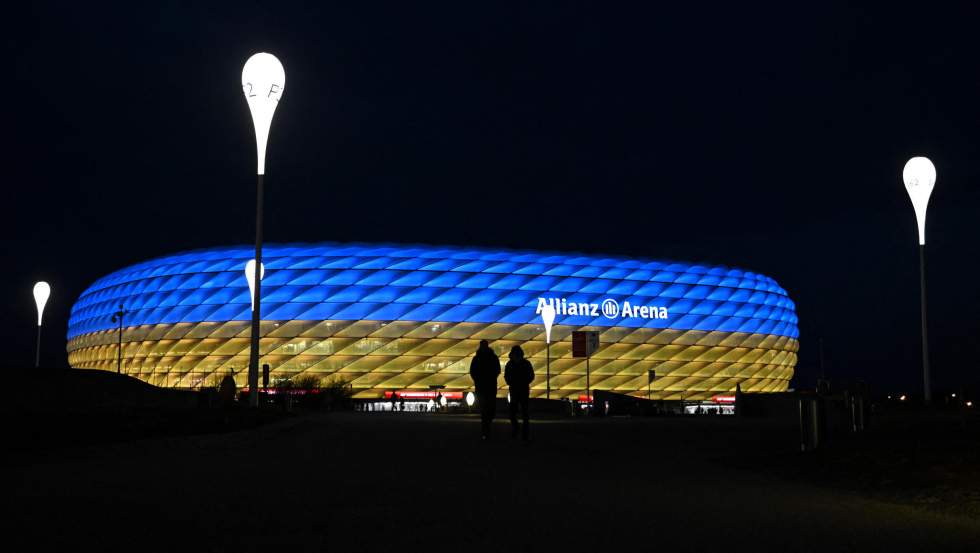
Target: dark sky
pixel 768 137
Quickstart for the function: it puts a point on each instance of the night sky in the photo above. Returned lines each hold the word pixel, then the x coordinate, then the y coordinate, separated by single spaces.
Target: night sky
pixel 770 138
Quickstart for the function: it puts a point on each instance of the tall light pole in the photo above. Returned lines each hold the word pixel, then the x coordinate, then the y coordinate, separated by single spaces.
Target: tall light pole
pixel 920 178
pixel 118 317
pixel 263 82
pixel 548 318
pixel 250 278
pixel 42 291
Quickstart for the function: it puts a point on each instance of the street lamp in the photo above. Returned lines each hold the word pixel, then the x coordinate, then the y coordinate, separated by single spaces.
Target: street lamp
pixel 250 278
pixel 920 178
pixel 42 291
pixel 118 317
pixel 263 83
pixel 548 318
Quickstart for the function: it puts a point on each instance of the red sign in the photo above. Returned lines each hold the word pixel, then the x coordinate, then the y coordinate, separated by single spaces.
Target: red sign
pixel 723 399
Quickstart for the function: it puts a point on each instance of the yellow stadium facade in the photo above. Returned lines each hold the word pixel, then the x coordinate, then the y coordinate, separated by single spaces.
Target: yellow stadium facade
pixel 387 317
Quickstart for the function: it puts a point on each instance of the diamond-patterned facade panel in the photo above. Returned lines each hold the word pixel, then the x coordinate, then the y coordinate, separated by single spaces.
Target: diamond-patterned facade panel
pixel 399 317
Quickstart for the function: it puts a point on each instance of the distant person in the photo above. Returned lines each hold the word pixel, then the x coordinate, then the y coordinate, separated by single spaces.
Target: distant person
pixel 394 400
pixel 519 374
pixel 484 370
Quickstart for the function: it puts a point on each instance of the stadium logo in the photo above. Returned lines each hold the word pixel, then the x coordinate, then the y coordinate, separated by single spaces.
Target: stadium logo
pixel 608 308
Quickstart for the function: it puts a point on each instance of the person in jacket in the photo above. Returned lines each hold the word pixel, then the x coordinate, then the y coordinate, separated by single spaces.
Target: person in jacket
pixel 484 370
pixel 519 374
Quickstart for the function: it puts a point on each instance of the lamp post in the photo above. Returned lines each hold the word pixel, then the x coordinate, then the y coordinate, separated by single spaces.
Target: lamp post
pixel 250 278
pixel 263 82
pixel 548 318
pixel 42 291
pixel 118 317
pixel 920 178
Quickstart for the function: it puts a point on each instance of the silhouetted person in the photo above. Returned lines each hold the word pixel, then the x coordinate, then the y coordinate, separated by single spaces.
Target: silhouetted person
pixel 519 374
pixel 484 370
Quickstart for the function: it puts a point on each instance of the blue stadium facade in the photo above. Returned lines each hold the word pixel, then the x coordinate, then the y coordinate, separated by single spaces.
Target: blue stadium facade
pixel 387 317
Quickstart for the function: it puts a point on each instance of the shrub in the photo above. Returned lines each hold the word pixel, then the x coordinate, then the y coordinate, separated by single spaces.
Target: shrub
pixel 307 382
pixel 226 392
pixel 312 392
pixel 337 393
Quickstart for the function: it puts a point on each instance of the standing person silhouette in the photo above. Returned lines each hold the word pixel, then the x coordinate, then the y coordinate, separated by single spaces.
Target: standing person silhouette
pixel 484 370
pixel 519 374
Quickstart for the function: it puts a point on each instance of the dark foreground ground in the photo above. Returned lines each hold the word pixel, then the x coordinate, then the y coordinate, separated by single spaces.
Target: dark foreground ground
pixel 377 482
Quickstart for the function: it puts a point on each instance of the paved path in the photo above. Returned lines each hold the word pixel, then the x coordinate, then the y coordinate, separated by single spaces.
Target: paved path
pixel 374 482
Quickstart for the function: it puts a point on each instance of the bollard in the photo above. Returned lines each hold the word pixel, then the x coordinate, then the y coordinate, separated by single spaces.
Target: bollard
pixel 857 413
pixel 852 404
pixel 860 413
pixel 809 424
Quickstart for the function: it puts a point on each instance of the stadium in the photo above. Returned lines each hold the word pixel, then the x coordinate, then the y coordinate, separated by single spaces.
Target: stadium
pixel 406 318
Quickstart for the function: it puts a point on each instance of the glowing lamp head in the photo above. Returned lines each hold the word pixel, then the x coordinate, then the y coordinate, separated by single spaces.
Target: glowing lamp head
pixel 920 178
pixel 443 401
pixel 250 277
pixel 548 318
pixel 470 399
pixel 263 82
pixel 42 291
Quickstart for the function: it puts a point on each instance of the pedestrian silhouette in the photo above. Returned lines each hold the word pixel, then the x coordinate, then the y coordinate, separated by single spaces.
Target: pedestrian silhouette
pixel 519 374
pixel 484 370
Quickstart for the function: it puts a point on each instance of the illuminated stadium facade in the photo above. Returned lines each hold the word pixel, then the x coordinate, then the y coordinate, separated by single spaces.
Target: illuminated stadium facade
pixel 385 317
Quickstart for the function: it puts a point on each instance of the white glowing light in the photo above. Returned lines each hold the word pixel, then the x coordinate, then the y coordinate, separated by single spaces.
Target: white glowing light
pixel 250 277
pixel 548 317
pixel 443 401
pixel 470 399
pixel 42 291
pixel 920 178
pixel 431 405
pixel 263 82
